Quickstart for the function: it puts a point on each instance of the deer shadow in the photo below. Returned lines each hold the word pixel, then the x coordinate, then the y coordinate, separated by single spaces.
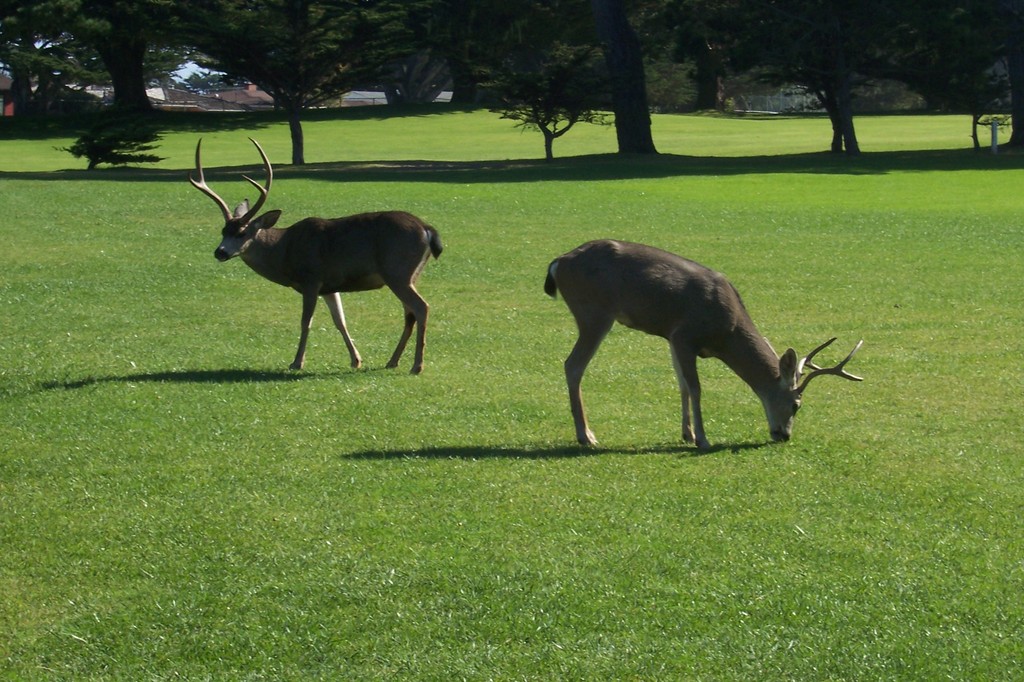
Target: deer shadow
pixel 471 452
pixel 184 376
pixel 466 452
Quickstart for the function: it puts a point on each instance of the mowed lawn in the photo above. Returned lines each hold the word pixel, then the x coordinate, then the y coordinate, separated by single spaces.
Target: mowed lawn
pixel 174 502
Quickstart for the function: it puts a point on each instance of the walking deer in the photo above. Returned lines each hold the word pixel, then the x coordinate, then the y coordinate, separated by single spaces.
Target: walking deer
pixel 696 309
pixel 321 258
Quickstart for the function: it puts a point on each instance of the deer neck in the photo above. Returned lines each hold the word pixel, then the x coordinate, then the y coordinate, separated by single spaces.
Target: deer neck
pixel 263 255
pixel 753 359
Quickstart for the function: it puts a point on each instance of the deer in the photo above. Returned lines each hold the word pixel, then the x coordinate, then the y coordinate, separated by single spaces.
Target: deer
pixel 697 310
pixel 323 257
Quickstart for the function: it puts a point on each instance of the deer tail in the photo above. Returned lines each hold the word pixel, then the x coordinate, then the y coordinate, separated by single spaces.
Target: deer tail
pixel 434 240
pixel 550 286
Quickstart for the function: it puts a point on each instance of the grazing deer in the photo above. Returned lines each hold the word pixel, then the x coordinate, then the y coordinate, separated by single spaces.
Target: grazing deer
pixel 320 257
pixel 696 309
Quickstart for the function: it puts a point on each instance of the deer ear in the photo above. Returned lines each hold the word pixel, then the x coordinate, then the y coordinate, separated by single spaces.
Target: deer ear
pixel 788 365
pixel 268 219
pixel 241 209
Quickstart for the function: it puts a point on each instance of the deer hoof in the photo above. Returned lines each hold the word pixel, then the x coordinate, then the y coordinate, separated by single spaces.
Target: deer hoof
pixel 416 369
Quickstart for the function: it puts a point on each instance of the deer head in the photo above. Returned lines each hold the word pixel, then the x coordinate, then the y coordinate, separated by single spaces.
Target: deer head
pixel 782 405
pixel 239 226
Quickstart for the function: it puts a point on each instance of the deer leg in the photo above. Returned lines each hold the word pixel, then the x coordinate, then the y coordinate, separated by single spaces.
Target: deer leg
pixel 308 306
pixel 416 310
pixel 333 302
pixel 582 353
pixel 684 394
pixel 685 363
pixel 410 320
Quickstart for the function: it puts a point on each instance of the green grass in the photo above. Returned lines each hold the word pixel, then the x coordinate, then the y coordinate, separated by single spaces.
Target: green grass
pixel 175 503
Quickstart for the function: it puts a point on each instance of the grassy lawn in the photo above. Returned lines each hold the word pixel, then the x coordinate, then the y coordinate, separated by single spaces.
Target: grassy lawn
pixel 175 503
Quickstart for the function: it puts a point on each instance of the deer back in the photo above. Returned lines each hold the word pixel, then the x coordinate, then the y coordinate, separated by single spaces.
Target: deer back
pixel 652 290
pixel 354 253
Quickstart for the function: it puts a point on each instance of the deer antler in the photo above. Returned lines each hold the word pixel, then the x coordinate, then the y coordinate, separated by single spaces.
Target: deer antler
pixel 205 189
pixel 264 191
pixel 818 371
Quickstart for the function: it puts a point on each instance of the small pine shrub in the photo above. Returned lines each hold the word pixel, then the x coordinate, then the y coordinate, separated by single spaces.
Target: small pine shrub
pixel 117 141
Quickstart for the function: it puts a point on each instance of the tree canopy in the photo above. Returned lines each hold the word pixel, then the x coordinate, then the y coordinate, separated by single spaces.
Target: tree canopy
pixel 302 52
pixel 305 53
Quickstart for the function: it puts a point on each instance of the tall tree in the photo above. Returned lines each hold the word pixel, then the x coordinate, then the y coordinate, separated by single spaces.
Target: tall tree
pixel 624 57
pixel 123 32
pixel 302 52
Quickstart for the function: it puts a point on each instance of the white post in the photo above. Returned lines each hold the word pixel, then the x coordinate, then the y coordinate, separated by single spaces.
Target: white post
pixel 995 137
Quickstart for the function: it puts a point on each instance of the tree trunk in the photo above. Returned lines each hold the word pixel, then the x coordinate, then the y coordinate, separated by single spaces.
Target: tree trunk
pixel 624 58
pixel 844 102
pixel 21 93
pixel 708 77
pixel 464 82
pixel 549 145
pixel 1015 64
pixel 827 98
pixel 1013 14
pixel 836 95
pixel 837 132
pixel 298 140
pixel 124 62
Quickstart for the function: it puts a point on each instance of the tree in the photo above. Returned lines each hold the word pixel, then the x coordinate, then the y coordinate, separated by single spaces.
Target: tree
pixel 948 54
pixel 703 31
pixel 118 139
pixel 42 59
pixel 302 52
pixel 624 57
pixel 827 47
pixel 55 42
pixel 563 89
pixel 124 32
pixel 419 78
pixel 202 81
